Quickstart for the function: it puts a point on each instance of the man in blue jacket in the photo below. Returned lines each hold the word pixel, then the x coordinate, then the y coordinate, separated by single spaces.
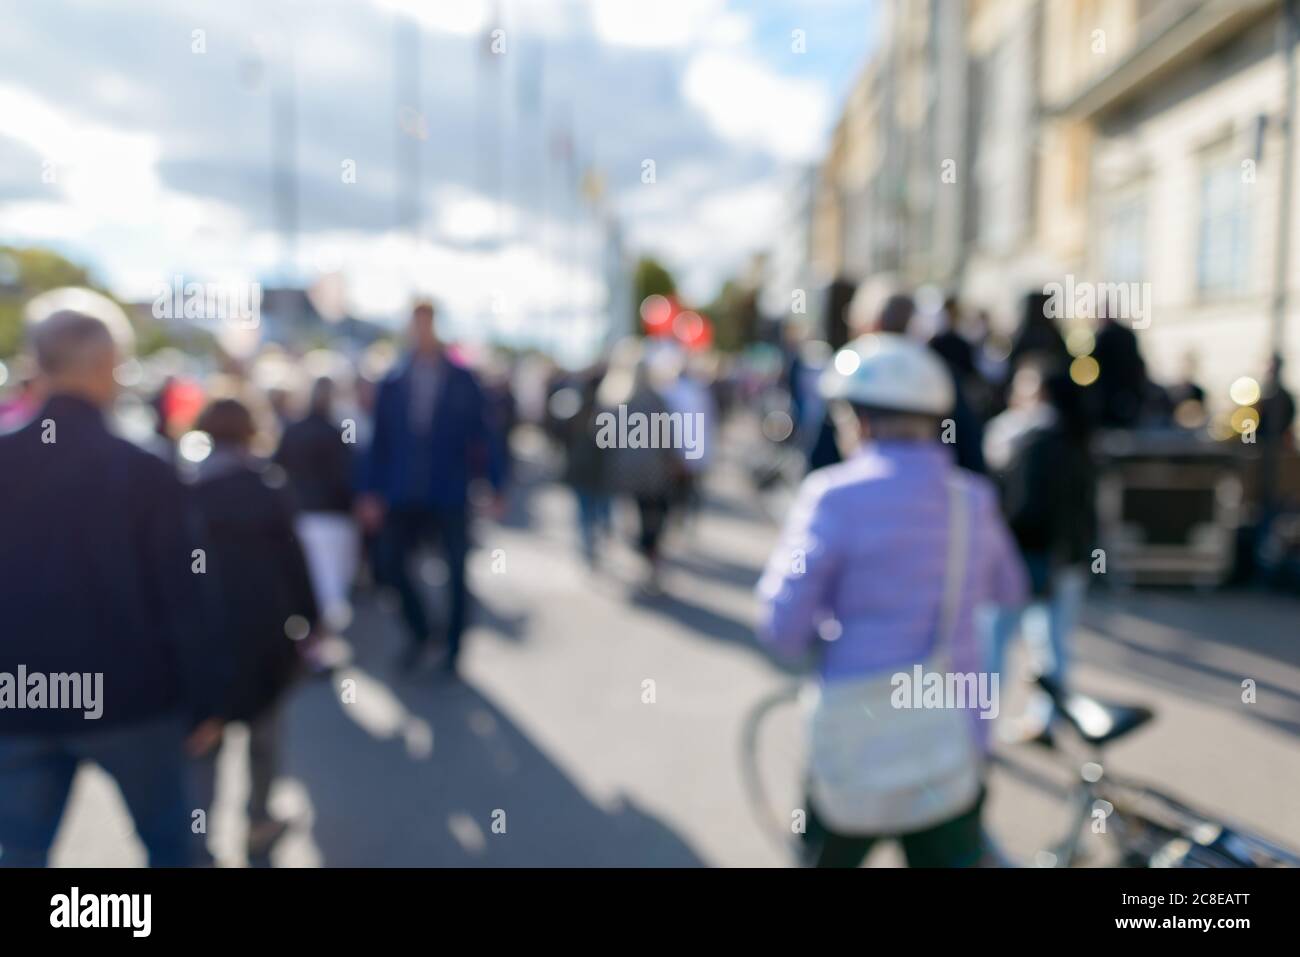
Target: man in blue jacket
pixel 99 592
pixel 431 437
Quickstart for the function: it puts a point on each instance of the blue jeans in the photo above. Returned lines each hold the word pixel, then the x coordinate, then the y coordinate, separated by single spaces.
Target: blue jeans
pixel 146 760
pixel 593 520
pixel 1046 624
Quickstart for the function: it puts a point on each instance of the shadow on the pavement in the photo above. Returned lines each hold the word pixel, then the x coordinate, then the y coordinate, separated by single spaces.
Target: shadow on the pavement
pixel 734 506
pixel 427 771
pixel 697 618
pixel 715 569
pixel 707 623
pixel 484 615
pixel 527 476
pixel 519 504
pixel 1164 637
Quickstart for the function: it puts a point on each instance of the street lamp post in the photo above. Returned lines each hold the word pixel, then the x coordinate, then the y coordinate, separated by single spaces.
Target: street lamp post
pixel 1281 266
pixel 1288 33
pixel 410 124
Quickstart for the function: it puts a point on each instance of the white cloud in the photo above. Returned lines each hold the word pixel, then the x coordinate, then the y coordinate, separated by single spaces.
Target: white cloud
pixel 731 29
pixel 101 174
pixel 653 23
pixel 462 215
pixel 711 236
pixel 677 80
pixel 751 105
pixel 42 221
pixel 463 17
pixel 481 291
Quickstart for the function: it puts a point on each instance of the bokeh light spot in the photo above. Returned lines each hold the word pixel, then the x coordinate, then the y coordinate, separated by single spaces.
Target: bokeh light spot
pixel 1244 391
pixel 1084 370
pixel 194 446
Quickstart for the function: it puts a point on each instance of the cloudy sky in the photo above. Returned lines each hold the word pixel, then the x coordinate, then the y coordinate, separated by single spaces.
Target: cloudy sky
pixel 145 148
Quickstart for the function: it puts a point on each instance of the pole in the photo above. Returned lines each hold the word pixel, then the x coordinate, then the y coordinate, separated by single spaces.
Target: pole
pixel 1281 264
pixel 1271 458
pixel 410 124
pixel 285 113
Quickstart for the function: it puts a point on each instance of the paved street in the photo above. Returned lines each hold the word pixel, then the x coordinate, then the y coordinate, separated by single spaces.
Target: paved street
pixel 552 736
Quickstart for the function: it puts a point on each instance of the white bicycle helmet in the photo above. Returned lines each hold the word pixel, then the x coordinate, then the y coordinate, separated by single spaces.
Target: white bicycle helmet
pixel 884 370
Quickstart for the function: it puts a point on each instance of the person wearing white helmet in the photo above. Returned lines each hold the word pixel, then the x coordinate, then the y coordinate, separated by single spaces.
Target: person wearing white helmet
pixel 886 372
pixel 882 563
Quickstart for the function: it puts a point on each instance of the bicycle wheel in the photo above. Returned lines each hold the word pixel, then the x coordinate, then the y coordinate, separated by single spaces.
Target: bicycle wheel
pixel 773 755
pixel 1034 813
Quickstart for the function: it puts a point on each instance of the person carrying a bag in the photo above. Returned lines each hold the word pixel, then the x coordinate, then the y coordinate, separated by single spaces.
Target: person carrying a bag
pixel 883 561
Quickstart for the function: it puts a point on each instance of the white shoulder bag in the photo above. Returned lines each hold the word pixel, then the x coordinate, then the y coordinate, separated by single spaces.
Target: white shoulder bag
pixel 881 770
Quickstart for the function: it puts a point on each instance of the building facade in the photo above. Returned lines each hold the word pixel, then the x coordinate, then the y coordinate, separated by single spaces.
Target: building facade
pixel 1185 162
pixel 998 146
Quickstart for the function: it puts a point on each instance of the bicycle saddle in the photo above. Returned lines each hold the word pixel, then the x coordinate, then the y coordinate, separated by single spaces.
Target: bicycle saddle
pixel 1097 722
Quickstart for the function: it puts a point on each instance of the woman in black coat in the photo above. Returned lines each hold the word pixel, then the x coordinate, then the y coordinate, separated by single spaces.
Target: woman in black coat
pixel 266 602
pixel 1039 454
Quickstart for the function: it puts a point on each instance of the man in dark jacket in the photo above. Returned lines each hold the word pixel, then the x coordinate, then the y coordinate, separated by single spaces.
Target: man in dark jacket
pixel 431 437
pixel 953 348
pixel 98 556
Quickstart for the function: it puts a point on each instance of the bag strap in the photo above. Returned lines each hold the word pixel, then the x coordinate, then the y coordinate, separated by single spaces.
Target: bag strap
pixel 955 568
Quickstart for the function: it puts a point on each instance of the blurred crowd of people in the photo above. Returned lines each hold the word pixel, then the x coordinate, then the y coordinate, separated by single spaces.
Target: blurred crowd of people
pixel 1102 359
pixel 205 565
pixel 208 563
pixel 215 520
pixel 661 481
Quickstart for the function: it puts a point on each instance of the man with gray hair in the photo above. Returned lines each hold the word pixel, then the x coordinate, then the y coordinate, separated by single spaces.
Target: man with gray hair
pixel 99 563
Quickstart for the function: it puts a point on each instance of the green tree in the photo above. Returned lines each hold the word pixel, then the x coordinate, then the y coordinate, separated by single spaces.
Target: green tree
pixel 27 272
pixel 650 278
pixel 23 274
pixel 734 312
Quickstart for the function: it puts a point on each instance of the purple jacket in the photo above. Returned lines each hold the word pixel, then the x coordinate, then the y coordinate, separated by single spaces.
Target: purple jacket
pixel 862 560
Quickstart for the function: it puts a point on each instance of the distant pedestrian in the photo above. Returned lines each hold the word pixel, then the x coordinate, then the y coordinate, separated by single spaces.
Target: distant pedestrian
pixel 267 605
pixel 951 346
pixel 967 433
pixel 18 407
pixel 1120 391
pixel 686 395
pixel 1277 410
pixel 502 411
pixel 1038 452
pixel 316 455
pixel 1038 334
pixel 432 436
pixel 647 473
pixel 586 469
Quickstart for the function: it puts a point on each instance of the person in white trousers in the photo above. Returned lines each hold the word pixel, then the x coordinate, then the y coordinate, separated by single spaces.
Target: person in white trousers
pixel 317 457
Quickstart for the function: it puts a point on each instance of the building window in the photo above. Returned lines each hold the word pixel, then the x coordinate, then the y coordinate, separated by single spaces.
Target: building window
pixel 1223 246
pixel 1123 238
pixel 1005 163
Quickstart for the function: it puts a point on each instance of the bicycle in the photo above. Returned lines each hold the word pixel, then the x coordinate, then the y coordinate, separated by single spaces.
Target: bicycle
pixel 1148 827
